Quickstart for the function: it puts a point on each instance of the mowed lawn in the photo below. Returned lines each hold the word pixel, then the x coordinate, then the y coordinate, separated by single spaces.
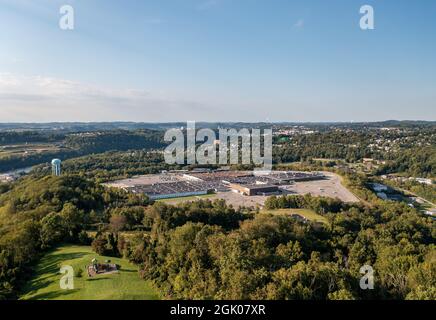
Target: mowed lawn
pixel 187 198
pixel 125 285
pixel 308 214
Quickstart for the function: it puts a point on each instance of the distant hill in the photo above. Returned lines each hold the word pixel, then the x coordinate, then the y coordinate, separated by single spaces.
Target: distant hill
pixel 98 126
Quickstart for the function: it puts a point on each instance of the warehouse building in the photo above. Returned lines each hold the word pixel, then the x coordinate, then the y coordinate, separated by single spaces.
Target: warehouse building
pixel 199 182
pixel 254 190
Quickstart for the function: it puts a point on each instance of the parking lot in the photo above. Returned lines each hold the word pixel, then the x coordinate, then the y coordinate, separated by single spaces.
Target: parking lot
pixel 330 187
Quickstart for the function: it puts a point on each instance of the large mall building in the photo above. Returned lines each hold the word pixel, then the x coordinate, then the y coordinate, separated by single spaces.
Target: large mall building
pixel 175 184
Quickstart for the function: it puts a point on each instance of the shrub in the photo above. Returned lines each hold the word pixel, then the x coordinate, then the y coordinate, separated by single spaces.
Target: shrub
pixel 78 273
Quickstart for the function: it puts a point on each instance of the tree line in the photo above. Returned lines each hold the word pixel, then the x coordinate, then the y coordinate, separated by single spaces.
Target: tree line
pixel 277 257
pixel 73 145
pixel 210 250
pixel 39 213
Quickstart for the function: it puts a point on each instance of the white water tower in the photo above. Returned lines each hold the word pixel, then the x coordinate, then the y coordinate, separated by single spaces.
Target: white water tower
pixel 56 167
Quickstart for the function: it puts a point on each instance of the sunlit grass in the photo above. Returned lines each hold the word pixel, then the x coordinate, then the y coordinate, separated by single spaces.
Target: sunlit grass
pixel 124 285
pixel 308 214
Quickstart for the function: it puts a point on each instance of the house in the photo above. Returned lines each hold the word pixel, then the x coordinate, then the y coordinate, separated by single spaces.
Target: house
pixel 431 212
pixel 299 217
pixel 424 181
pixel 377 187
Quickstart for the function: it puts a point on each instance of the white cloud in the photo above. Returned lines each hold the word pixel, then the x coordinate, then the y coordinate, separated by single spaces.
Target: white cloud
pixel 40 99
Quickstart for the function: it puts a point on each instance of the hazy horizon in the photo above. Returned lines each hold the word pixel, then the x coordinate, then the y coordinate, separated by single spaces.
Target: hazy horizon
pixel 218 122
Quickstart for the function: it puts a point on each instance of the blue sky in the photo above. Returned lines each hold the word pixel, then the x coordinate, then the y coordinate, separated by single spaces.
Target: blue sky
pixel 217 60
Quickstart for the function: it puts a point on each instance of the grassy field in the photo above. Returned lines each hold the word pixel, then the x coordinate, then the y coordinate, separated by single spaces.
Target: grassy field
pixel 184 199
pixel 308 214
pixel 125 285
pixel 26 149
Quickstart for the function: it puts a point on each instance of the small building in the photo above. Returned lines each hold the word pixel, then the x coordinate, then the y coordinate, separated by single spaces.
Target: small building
pixel 382 195
pixel 431 212
pixel 378 187
pixel 299 217
pixel 424 181
pixel 97 268
pixel 6 178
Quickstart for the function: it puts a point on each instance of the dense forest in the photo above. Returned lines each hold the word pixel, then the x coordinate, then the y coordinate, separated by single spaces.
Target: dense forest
pixel 97 142
pixel 77 144
pixel 18 137
pixel 278 257
pixel 112 165
pixel 353 146
pixel 37 213
pixel 209 250
pixel 407 149
pixel 415 162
